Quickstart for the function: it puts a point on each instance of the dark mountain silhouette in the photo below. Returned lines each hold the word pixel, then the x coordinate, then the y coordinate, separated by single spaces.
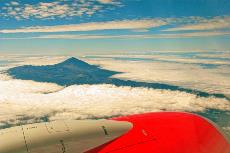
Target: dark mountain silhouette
pixel 74 71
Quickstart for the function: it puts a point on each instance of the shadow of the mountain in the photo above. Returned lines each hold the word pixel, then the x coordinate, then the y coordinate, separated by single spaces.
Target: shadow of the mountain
pixel 74 71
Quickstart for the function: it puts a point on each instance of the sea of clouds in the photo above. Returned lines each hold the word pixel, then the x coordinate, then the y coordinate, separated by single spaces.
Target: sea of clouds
pixel 185 72
pixel 23 101
pixel 20 101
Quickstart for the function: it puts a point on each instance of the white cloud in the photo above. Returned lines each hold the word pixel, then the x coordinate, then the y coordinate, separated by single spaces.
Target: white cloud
pixel 38 60
pixel 145 36
pixel 123 24
pixel 219 22
pixel 204 27
pixel 105 1
pixel 11 86
pixel 29 101
pixel 227 131
pixel 22 102
pixel 14 3
pixel 130 36
pixel 165 69
pixel 170 70
pixel 115 2
pixel 56 9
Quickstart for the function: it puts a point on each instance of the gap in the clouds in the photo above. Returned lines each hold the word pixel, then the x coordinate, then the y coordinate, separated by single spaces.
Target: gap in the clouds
pixel 76 72
pixel 23 120
pixel 220 118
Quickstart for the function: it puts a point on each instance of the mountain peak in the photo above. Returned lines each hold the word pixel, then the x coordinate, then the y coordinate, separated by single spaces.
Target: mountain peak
pixel 74 61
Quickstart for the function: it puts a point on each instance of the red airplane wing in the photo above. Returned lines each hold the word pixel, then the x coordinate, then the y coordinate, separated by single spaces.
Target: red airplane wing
pixel 167 132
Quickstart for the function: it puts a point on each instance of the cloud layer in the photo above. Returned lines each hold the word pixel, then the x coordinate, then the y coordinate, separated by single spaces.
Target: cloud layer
pixel 24 102
pixel 205 24
pixel 56 9
pixel 20 101
pixel 110 25
pixel 181 71
pixel 185 27
pixel 131 36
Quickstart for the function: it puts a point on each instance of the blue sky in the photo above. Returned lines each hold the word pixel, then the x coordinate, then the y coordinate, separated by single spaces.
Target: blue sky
pixel 113 26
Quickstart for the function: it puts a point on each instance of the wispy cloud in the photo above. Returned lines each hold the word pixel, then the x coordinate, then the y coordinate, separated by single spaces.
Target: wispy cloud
pixel 110 25
pixel 194 23
pixel 220 22
pixel 131 36
pixel 14 3
pixel 195 34
pixel 109 2
pixel 55 9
